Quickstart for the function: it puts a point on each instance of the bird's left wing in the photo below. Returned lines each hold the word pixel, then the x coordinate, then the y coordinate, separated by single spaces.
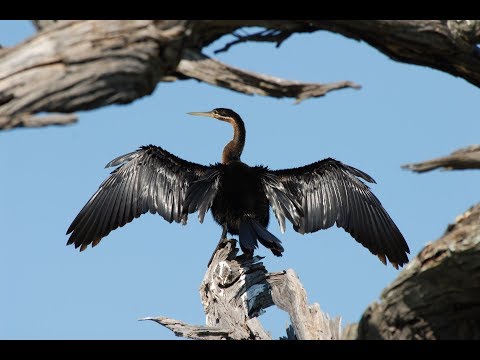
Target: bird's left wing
pixel 318 195
pixel 149 179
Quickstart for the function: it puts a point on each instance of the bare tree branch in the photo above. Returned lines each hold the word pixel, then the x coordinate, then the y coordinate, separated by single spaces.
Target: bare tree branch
pixel 192 331
pixel 447 45
pixel 276 36
pixel 198 66
pixel 465 158
pixel 308 321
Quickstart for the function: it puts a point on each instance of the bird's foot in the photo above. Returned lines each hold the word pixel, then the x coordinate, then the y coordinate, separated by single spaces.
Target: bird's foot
pixel 220 245
pixel 245 256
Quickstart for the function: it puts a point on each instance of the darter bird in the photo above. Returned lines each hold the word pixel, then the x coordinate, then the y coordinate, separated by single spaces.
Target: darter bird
pixel 311 197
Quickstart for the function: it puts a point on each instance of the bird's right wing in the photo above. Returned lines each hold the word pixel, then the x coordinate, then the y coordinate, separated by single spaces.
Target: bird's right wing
pixel 149 179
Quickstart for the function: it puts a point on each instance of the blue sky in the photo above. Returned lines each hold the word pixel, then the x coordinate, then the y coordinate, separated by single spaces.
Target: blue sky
pixel 403 113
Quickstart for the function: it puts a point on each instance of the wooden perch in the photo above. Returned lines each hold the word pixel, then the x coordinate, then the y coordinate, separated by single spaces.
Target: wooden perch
pixel 437 295
pixel 465 158
pixel 236 290
pixel 308 321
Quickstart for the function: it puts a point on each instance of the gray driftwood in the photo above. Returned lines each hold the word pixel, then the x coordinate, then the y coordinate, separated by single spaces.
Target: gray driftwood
pixel 236 290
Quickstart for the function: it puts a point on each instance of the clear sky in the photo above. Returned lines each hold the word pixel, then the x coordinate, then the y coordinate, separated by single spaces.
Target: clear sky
pixel 403 113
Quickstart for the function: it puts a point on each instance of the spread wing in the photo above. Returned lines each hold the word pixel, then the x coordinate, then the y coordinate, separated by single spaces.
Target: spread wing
pixel 318 195
pixel 149 179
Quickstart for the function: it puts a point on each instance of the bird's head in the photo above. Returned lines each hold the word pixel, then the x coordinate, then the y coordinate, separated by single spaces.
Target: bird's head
pixel 222 114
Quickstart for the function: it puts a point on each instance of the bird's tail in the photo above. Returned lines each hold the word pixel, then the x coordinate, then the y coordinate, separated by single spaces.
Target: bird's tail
pixel 251 231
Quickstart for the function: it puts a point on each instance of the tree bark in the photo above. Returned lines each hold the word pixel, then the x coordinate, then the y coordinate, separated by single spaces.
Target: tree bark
pixel 437 295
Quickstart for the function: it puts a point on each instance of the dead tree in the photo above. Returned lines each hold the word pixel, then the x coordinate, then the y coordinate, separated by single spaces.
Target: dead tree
pixel 437 296
pixel 72 65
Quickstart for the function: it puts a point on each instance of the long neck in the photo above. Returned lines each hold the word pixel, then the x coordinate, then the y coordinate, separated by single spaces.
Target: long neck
pixel 233 150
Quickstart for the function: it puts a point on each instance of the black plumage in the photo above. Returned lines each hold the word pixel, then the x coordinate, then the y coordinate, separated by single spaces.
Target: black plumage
pixel 311 197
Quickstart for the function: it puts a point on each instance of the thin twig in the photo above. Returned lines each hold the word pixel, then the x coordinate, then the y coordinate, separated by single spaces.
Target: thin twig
pixel 185 330
pixel 269 35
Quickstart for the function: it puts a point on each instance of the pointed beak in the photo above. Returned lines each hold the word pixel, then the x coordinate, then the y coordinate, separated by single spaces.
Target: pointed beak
pixel 207 114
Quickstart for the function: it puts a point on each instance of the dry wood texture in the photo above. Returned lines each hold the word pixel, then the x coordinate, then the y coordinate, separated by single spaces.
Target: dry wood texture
pixel 236 290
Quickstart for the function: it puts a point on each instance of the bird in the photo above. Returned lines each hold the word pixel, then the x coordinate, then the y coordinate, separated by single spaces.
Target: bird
pixel 311 197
